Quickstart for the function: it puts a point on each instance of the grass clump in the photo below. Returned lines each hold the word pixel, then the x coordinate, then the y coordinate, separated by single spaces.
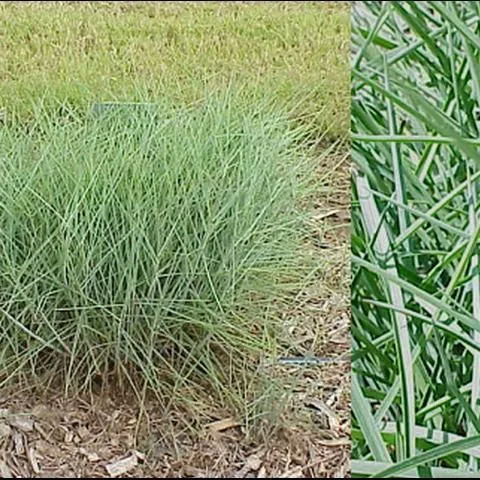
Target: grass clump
pixel 416 285
pixel 83 52
pixel 147 243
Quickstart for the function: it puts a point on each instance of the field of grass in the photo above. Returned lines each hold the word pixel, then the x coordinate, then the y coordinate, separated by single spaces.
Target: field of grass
pixel 82 52
pixel 416 285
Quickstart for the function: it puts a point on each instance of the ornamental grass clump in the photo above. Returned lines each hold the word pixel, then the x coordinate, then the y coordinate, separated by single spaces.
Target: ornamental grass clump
pixel 150 245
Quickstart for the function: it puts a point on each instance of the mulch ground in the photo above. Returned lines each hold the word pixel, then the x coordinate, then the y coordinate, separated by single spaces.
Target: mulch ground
pixel 44 435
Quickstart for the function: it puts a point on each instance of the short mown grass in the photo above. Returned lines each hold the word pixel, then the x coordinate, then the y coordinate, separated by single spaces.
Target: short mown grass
pixel 416 288
pixel 149 245
pixel 83 52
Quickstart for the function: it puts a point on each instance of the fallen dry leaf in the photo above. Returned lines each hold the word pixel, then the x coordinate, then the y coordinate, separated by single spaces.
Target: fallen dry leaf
pixel 222 425
pixel 21 422
pixel 120 467
pixel 91 456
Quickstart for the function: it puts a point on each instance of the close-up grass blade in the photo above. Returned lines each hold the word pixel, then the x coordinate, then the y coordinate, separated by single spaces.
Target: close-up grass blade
pixel 415 236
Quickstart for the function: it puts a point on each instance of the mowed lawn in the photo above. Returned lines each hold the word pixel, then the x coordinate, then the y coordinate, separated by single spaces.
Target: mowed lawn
pixel 82 52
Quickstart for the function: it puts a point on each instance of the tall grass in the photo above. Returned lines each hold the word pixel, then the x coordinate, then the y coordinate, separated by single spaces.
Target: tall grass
pixel 416 285
pixel 149 245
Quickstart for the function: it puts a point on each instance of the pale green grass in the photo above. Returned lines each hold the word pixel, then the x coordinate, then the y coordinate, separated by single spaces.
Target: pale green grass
pixel 159 252
pixel 149 245
pixel 416 285
pixel 84 52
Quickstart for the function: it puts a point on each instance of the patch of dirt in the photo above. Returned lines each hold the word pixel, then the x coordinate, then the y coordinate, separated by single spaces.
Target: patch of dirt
pixel 97 437
pixel 47 436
